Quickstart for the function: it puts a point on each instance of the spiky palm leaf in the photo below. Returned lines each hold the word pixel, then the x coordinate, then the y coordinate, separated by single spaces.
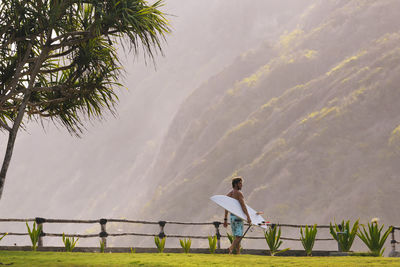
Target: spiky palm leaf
pixel 272 237
pixel 345 239
pixel 185 244
pixel 58 60
pixel 3 236
pixel 373 238
pixel 308 238
pixel 212 242
pixel 69 242
pixel 160 243
pixel 102 246
pixel 34 234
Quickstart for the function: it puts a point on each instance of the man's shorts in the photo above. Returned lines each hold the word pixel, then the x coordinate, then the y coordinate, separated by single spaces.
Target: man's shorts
pixel 236 225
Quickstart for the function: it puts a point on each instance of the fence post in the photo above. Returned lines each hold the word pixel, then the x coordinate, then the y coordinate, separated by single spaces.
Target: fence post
pixel 217 224
pixel 39 222
pixel 103 234
pixel 339 234
pixel 393 242
pixel 162 224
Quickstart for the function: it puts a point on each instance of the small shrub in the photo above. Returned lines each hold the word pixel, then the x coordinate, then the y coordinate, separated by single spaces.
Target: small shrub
pixel 3 236
pixel 230 237
pixel 185 244
pixel 70 243
pixel 133 250
pixel 345 239
pixel 373 239
pixel 34 234
pixel 102 246
pixel 160 243
pixel 212 242
pixel 272 236
pixel 308 238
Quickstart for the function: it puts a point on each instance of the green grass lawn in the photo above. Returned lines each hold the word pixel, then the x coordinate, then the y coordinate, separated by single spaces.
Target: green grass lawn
pixel 22 258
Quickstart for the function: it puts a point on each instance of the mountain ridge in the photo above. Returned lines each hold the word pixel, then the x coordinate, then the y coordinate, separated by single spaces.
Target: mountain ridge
pixel 305 59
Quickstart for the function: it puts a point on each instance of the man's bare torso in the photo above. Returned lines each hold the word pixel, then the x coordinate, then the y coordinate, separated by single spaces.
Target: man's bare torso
pixel 236 194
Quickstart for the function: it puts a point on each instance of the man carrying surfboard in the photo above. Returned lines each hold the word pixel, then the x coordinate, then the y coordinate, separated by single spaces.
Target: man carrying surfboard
pixel 236 222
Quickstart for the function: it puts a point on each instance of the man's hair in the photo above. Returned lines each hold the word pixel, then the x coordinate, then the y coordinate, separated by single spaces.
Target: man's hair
pixel 236 180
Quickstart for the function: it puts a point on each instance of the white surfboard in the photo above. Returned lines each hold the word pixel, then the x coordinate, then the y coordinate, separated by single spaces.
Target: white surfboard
pixel 233 206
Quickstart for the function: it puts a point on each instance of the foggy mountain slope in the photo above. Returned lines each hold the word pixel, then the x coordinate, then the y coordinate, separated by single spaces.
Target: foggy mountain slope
pixel 313 130
pixel 105 174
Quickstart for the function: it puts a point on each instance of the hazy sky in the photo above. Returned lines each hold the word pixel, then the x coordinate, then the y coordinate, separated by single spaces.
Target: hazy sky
pixel 49 165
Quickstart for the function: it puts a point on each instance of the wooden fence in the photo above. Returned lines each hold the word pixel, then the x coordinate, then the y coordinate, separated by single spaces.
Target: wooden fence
pixel 103 234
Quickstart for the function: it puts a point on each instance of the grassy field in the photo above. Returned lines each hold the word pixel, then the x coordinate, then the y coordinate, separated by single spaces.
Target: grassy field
pixel 22 258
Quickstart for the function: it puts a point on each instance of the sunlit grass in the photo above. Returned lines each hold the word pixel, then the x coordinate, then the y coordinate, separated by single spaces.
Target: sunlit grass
pixel 30 258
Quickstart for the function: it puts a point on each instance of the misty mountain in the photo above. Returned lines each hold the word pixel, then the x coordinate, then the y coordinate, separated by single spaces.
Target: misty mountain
pixel 299 97
pixel 311 121
pixel 106 173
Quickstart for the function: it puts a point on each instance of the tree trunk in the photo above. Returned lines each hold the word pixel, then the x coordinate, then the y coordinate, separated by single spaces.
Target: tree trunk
pixel 11 141
pixel 21 112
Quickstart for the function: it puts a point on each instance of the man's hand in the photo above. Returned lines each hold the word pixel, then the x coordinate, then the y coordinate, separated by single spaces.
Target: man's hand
pixel 248 219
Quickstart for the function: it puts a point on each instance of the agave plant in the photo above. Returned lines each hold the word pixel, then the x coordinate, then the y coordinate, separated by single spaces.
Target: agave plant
pixel 160 243
pixel 69 242
pixel 185 244
pixel 34 234
pixel 272 236
pixel 230 237
pixel 102 246
pixel 373 238
pixel 308 238
pixel 345 238
pixel 212 242
pixel 3 236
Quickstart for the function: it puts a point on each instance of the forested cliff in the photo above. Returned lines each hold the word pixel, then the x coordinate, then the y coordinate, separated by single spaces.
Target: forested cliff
pixel 311 121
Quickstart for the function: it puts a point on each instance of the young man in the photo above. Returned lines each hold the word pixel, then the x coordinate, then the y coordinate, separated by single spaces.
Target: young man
pixel 236 223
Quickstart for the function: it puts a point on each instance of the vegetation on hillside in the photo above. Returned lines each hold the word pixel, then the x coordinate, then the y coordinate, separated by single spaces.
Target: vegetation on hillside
pixel 336 110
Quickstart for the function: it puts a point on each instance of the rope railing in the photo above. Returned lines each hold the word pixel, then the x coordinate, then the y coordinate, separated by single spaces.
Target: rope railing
pixel 103 234
pixel 302 226
pixel 145 222
pixel 17 220
pixel 152 235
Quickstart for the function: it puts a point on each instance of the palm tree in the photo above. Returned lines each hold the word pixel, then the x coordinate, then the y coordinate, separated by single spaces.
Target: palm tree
pixel 58 59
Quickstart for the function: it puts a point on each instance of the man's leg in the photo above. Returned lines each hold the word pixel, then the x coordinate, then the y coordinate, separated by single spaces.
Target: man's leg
pixel 239 236
pixel 238 239
pixel 235 247
pixel 237 231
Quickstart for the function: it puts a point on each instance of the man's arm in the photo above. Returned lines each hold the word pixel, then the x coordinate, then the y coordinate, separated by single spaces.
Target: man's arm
pixel 243 205
pixel 226 219
pixel 226 212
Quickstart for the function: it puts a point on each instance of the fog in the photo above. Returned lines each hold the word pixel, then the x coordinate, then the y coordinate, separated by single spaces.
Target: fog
pixel 288 94
pixel 101 174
